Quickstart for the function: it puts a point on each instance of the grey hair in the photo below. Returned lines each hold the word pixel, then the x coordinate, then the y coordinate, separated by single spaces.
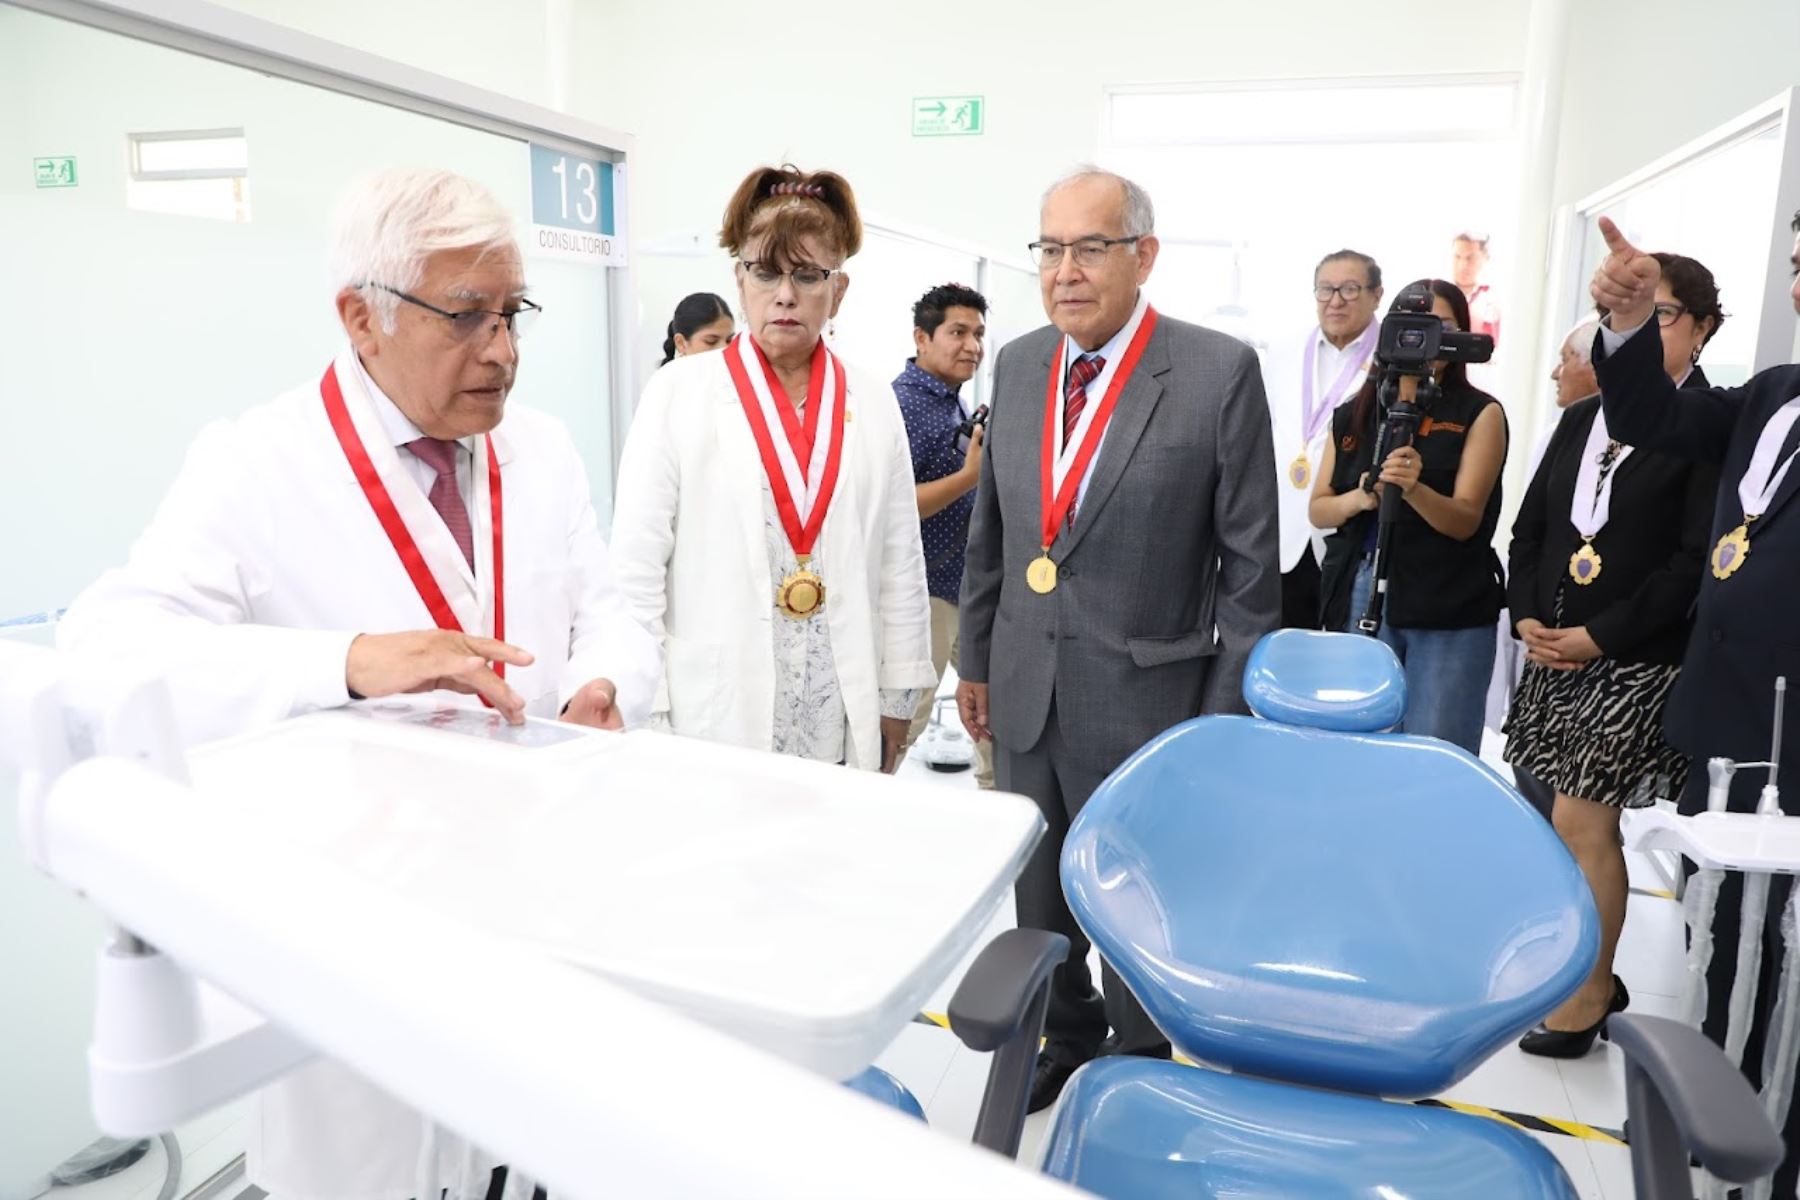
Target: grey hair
pixel 389 223
pixel 1582 338
pixel 1140 214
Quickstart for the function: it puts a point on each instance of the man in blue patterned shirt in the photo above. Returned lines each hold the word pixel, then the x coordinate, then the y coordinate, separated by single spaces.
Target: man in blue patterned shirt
pixel 949 324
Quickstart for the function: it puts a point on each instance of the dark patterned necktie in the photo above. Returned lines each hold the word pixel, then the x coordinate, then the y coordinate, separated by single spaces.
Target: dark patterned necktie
pixel 440 456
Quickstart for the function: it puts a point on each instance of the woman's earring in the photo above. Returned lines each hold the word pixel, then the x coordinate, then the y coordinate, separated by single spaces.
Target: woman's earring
pixel 831 330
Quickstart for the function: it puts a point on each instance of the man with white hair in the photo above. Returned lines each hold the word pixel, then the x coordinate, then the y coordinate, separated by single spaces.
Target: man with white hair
pixel 390 526
pixel 1123 559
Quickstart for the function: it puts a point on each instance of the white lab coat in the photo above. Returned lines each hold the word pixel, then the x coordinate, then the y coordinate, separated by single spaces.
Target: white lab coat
pixel 1282 376
pixel 264 561
pixel 690 553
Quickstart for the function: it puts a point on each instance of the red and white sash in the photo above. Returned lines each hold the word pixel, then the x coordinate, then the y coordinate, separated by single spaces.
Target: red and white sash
pixel 454 597
pixel 801 466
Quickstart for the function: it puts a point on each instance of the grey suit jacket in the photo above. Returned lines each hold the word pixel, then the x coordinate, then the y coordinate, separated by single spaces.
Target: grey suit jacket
pixel 1171 572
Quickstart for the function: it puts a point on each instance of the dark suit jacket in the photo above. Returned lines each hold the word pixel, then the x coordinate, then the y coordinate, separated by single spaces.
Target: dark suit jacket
pixel 1745 627
pixel 1171 572
pixel 1639 608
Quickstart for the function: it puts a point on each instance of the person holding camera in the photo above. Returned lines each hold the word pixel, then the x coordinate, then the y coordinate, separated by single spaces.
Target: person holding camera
pixel 949 327
pixel 1444 583
pixel 1605 564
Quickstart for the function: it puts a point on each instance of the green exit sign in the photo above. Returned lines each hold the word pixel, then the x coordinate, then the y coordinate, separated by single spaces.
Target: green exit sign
pixel 948 116
pixel 55 172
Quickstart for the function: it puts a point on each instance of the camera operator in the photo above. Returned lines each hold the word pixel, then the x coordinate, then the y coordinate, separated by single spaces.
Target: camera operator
pixel 949 326
pixel 1444 581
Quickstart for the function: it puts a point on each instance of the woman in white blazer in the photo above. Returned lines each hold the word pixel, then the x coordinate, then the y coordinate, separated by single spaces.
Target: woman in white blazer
pixel 765 528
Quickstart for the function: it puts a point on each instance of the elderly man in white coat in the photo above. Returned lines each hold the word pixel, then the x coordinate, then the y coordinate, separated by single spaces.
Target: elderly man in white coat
pixel 382 529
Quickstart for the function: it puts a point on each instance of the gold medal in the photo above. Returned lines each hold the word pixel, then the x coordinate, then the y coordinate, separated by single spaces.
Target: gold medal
pixel 1299 471
pixel 1041 575
pixel 1584 564
pixel 802 593
pixel 1729 554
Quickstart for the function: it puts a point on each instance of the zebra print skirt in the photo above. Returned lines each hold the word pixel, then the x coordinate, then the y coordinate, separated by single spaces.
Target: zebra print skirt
pixel 1597 733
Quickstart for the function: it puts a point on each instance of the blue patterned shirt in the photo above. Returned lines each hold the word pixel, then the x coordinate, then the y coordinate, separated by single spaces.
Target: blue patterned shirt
pixel 932 412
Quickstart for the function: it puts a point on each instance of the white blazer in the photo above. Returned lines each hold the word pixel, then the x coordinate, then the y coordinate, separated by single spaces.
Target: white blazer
pixel 264 561
pixel 690 552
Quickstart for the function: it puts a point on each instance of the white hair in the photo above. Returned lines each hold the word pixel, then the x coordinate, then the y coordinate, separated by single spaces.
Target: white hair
pixel 1581 338
pixel 1140 214
pixel 389 223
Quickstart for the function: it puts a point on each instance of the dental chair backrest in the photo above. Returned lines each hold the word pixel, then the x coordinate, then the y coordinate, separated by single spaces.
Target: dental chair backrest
pixel 1299 896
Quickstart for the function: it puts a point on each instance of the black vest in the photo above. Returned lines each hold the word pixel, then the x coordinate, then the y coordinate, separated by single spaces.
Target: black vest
pixel 1434 581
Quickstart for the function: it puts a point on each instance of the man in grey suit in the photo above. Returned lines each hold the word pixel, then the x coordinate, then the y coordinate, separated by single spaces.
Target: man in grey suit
pixel 1130 602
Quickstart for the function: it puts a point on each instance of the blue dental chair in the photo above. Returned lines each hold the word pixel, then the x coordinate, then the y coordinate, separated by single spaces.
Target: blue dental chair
pixel 1302 899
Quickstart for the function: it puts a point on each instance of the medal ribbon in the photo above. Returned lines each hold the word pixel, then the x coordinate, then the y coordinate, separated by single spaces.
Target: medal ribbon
pixel 1314 417
pixel 1062 473
pixel 1591 506
pixel 1754 494
pixel 802 494
pixel 417 570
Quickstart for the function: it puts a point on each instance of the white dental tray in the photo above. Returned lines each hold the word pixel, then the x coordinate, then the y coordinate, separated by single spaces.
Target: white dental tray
pixel 808 909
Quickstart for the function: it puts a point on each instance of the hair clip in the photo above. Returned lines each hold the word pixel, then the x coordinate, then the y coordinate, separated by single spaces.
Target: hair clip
pixel 790 188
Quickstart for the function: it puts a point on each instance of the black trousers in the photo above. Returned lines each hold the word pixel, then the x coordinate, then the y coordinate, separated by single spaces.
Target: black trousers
pixel 1078 1017
pixel 1300 593
pixel 1722 971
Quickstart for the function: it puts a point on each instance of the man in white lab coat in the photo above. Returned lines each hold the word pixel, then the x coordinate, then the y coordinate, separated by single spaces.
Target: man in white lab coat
pixel 390 526
pixel 1306 382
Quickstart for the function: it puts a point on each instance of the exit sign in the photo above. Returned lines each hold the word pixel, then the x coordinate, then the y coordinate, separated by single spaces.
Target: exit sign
pixel 948 116
pixel 54 172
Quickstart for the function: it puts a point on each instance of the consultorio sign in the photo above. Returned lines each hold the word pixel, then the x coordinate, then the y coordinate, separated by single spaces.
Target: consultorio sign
pixel 575 214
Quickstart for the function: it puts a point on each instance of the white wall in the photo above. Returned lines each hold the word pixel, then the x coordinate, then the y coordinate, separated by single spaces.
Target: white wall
pixel 1645 78
pixel 494 44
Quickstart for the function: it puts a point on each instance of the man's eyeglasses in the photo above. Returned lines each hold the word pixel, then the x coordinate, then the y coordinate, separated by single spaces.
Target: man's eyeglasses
pixel 471 324
pixel 1349 291
pixel 762 277
pixel 1088 252
pixel 1668 314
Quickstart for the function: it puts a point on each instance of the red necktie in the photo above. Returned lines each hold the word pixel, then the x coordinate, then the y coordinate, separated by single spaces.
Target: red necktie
pixel 440 456
pixel 1075 393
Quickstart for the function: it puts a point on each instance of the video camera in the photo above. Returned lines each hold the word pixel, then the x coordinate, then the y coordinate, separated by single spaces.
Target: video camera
pixel 1413 337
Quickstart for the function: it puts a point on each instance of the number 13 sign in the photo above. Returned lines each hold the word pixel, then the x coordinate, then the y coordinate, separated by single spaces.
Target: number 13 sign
pixel 574 209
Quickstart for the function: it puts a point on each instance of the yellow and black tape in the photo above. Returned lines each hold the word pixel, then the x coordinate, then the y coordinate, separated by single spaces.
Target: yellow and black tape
pixel 1525 1121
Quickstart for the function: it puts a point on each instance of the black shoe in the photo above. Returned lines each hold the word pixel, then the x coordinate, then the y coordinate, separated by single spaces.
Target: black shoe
pixel 1574 1043
pixel 1047 1082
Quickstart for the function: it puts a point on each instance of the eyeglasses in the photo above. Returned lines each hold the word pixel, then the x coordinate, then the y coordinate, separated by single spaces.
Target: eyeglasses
pixel 1088 252
pixel 1349 291
pixel 476 324
pixel 1668 314
pixel 808 281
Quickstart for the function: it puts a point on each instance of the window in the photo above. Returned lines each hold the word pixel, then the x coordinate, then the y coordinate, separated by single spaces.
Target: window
pixel 194 173
pixel 1255 182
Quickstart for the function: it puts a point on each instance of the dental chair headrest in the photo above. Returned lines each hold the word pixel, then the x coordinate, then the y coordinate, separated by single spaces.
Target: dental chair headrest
pixel 1343 682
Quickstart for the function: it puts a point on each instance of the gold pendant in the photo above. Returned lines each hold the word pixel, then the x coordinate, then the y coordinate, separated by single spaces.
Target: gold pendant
pixel 802 594
pixel 1584 564
pixel 1299 471
pixel 1041 575
pixel 1729 554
